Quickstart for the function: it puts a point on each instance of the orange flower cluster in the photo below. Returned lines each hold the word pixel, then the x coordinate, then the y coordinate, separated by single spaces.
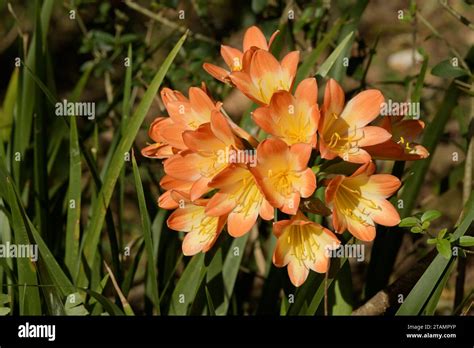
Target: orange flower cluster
pixel 217 175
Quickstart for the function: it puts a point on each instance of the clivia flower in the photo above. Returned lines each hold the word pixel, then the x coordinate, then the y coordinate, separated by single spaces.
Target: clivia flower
pixel 401 146
pixel 293 119
pixel 240 197
pixel 303 245
pixel 283 174
pixel 203 158
pixel 265 75
pixel 360 200
pixel 343 130
pixel 202 229
pixel 233 57
pixel 185 114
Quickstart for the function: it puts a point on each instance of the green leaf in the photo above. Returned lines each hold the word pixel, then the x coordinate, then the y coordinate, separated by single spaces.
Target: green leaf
pixel 6 113
pixel 73 202
pixel 444 248
pixel 466 241
pixel 425 225
pixel 188 285
pixel 230 271
pixel 75 305
pixel 416 229
pixel 338 51
pixel 409 222
pixel 446 69
pixel 442 233
pixel 153 278
pixel 430 215
pixel 210 305
pixel 432 241
pixel 92 234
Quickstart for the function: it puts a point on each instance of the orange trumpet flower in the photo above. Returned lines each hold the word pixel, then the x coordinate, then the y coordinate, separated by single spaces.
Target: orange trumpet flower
pixel 282 173
pixel 240 197
pixel 233 57
pixel 202 229
pixel 401 146
pixel 360 200
pixel 293 119
pixel 302 245
pixel 204 158
pixel 343 130
pixel 265 75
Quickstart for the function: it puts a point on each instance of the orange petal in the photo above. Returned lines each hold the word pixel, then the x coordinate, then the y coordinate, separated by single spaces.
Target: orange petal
pixel 199 188
pixel 183 166
pixel 373 135
pixel 306 183
pixel 282 254
pixel 307 90
pixel 382 184
pixel 332 187
pixel 239 224
pixel 300 155
pixel 333 98
pixel 321 265
pixel 363 232
pixel 289 64
pixel 220 204
pixel 182 219
pixel 297 272
pixel 217 72
pixel 387 215
pixel 363 108
pixel 254 38
pixel 266 210
pixel 232 57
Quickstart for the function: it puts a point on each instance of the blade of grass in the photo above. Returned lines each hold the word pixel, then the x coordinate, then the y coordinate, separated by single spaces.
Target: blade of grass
pixel 336 55
pixel 92 234
pixel 151 263
pixel 73 201
pixel 188 285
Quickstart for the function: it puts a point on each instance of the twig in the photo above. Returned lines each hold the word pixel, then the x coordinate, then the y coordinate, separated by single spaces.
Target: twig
pixel 456 14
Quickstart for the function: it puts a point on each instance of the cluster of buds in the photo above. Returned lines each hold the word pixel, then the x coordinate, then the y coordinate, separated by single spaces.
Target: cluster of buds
pixel 219 176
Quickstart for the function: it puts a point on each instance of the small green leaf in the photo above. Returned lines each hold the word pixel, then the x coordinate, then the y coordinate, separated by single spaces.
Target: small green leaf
pixel 447 70
pixel 432 241
pixel 416 229
pixel 442 233
pixel 466 241
pixel 329 62
pixel 425 225
pixel 430 215
pixel 444 248
pixel 408 222
pixel 4 311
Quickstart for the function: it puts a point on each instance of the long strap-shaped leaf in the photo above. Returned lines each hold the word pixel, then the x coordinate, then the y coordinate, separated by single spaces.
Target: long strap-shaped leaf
pixel 92 236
